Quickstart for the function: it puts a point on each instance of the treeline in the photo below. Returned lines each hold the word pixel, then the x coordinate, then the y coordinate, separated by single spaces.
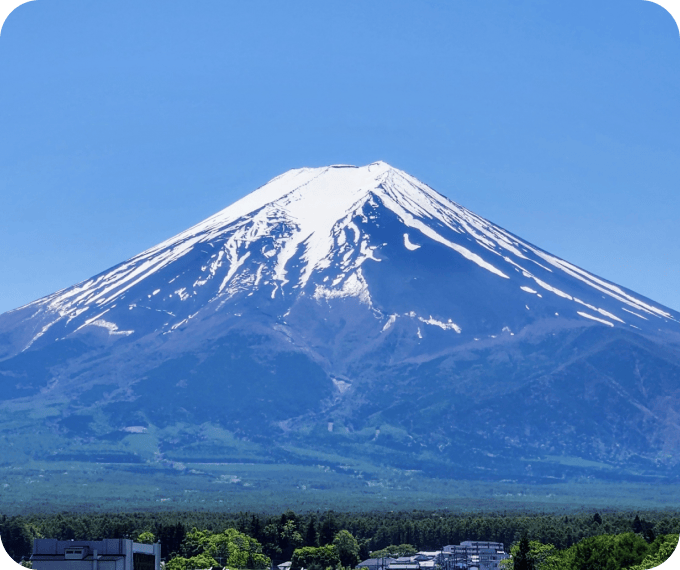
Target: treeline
pixel 280 535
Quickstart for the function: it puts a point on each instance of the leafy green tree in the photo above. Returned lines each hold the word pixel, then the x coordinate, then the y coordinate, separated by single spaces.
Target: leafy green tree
pixel 542 556
pixel 290 539
pixel 17 538
pixel 146 538
pixel 194 542
pixel 236 550
pixel 198 562
pixel 319 558
pixel 272 537
pixel 229 548
pixel 660 551
pixel 607 552
pixel 394 551
pixel 347 547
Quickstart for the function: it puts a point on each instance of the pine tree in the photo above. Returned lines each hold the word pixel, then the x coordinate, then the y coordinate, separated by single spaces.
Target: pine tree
pixel 311 536
pixel 329 529
pixel 524 560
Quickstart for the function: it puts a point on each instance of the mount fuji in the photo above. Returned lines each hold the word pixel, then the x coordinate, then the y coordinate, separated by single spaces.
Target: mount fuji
pixel 351 317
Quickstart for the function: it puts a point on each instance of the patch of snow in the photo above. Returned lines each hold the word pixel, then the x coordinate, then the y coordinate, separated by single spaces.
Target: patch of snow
pixel 341 385
pixel 366 252
pixel 354 286
pixel 392 319
pixel 601 311
pixel 183 295
pixel 231 253
pixel 634 313
pixel 79 312
pixel 610 315
pixel 135 429
pixel 258 275
pixel 552 289
pixel 528 289
pixel 587 316
pixel 41 333
pixel 111 327
pixel 408 245
pixel 450 325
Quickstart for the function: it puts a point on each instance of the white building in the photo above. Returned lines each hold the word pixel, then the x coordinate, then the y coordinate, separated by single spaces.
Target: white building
pixel 473 554
pixel 107 554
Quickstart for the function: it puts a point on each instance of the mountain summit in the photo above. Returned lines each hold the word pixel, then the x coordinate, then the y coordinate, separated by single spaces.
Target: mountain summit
pixel 320 233
pixel 353 310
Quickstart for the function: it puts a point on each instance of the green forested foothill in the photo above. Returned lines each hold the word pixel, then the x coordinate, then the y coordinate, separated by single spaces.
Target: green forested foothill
pixel 250 540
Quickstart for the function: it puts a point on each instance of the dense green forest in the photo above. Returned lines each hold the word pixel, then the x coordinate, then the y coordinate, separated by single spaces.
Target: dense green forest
pixel 274 538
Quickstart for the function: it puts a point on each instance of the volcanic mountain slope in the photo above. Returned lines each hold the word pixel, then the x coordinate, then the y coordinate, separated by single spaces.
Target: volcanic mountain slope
pixel 358 311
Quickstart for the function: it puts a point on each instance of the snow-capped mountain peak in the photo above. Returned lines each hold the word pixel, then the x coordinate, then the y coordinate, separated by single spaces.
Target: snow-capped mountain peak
pixel 316 232
pixel 355 297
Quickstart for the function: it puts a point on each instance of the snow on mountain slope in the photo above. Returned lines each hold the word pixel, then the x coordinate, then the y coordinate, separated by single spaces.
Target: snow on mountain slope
pixel 311 232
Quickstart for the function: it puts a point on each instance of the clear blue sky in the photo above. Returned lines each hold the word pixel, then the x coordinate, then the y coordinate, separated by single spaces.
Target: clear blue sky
pixel 123 122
